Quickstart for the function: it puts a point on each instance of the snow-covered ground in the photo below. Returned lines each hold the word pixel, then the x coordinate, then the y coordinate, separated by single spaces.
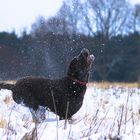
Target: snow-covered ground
pixel 106 114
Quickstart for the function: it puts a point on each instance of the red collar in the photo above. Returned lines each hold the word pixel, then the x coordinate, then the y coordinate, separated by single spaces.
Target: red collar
pixel 77 81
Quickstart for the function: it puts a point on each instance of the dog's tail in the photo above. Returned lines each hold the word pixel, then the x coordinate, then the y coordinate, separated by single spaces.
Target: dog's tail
pixel 6 86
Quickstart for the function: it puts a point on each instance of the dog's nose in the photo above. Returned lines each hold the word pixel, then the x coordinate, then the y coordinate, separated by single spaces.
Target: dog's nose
pixel 92 57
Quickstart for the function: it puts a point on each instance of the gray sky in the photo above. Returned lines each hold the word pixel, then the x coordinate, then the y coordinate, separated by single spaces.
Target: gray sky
pixel 20 14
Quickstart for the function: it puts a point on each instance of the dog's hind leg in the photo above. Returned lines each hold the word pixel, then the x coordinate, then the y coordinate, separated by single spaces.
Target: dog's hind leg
pixel 39 114
pixel 34 116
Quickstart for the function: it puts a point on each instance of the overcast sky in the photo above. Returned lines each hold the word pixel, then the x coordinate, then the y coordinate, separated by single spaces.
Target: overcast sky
pixel 20 14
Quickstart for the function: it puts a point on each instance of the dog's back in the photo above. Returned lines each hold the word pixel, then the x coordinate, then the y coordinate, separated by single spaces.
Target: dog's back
pixel 54 94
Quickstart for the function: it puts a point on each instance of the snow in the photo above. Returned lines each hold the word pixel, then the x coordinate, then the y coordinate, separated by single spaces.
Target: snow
pixel 106 114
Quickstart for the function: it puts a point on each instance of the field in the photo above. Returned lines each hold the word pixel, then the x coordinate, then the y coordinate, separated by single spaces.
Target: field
pixel 110 111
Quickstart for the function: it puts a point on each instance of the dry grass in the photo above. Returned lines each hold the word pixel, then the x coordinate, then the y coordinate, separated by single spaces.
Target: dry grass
pixel 117 124
pixel 3 123
pixel 7 100
pixel 100 84
pixel 105 85
pixel 9 81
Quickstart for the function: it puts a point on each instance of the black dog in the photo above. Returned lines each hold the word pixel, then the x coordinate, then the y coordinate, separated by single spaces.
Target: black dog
pixel 62 96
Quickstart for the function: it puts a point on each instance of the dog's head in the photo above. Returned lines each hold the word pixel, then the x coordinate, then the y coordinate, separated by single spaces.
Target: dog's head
pixel 80 66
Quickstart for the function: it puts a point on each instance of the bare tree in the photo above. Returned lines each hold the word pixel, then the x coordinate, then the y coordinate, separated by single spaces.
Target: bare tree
pixel 109 17
pixel 55 25
pixel 71 13
pixel 136 17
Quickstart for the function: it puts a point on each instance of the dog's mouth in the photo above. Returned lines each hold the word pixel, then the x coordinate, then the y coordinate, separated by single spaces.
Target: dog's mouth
pixel 89 58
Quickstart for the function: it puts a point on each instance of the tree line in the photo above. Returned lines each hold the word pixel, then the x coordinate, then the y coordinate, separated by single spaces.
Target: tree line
pixel 108 28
